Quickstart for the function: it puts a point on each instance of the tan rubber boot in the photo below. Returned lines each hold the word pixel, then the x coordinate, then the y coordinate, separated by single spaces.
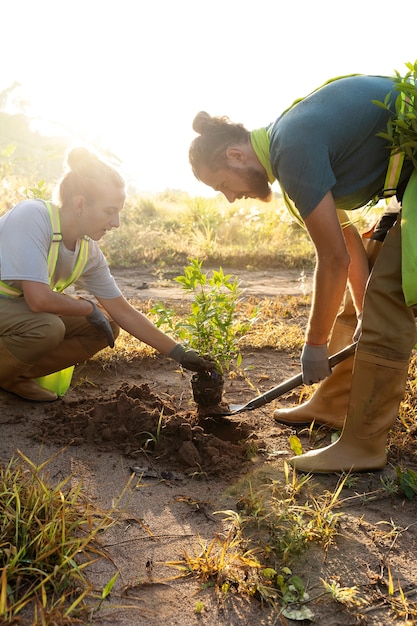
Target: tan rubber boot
pixel 12 379
pixel 378 386
pixel 328 404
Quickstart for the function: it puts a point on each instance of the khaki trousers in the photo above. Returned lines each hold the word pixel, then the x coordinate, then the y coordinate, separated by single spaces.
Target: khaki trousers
pixel 388 327
pixel 47 342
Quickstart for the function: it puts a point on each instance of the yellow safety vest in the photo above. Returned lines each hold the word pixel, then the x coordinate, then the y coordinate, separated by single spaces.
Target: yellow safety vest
pixel 13 292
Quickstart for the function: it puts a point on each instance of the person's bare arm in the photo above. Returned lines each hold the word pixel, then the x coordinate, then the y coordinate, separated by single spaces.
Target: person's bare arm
pixel 137 324
pixel 41 298
pixel 331 273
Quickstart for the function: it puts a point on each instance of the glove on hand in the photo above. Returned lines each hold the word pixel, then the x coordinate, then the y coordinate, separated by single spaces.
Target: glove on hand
pixel 315 363
pixel 190 359
pixel 358 330
pixel 99 320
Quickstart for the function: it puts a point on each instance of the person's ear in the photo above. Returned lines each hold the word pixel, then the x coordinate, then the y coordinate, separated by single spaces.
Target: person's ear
pixel 235 155
pixel 78 204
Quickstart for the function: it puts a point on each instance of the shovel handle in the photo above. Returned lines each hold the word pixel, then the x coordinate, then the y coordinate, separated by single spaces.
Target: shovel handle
pixel 296 381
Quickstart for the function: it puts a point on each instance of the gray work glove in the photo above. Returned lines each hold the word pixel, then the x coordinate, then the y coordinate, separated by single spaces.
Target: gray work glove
pixel 190 359
pixel 315 363
pixel 99 320
pixel 358 330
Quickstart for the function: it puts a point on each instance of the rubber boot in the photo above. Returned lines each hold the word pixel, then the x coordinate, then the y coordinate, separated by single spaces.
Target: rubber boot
pixel 12 379
pixel 378 386
pixel 328 404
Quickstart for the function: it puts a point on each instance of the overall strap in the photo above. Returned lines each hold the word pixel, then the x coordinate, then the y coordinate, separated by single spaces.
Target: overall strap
pixel 6 290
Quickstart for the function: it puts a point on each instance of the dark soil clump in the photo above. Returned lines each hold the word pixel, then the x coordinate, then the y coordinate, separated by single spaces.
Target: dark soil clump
pixel 134 420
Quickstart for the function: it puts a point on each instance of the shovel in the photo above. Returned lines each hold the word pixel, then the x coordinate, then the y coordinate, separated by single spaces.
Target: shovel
pixel 282 388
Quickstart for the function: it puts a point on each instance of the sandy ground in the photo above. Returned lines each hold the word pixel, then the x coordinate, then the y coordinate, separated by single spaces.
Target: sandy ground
pixel 198 467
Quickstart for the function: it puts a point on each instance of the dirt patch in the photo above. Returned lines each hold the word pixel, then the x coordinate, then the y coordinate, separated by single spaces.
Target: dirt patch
pixel 134 420
pixel 133 436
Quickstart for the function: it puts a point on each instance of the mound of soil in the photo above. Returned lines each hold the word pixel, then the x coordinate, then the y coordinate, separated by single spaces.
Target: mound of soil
pixel 134 419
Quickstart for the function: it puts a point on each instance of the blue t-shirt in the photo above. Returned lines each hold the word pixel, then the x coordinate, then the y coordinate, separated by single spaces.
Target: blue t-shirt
pixel 328 142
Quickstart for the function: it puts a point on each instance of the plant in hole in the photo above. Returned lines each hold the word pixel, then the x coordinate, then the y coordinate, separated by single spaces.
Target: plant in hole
pixel 211 326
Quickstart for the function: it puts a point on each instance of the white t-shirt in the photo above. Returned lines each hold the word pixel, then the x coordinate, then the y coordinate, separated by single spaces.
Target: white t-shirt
pixel 25 240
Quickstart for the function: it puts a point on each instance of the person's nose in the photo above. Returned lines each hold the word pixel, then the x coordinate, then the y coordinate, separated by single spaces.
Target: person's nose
pixel 115 221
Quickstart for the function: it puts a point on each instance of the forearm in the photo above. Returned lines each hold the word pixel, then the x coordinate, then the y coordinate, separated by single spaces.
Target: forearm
pixel 147 332
pixel 359 266
pixel 329 287
pixel 138 325
pixel 332 266
pixel 41 299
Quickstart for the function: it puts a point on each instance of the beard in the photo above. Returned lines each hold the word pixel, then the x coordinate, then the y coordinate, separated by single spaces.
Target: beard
pixel 257 182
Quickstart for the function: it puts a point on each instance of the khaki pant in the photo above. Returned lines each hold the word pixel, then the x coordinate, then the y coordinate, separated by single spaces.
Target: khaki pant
pixel 388 328
pixel 47 341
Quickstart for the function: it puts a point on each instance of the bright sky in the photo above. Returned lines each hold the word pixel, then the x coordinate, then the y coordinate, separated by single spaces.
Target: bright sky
pixel 130 75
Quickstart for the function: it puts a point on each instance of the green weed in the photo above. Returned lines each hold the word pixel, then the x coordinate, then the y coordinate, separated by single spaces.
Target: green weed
pixel 48 537
pixel 268 530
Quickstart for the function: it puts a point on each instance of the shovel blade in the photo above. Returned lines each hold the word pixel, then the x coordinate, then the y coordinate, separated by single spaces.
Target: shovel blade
pixel 236 408
pixel 231 409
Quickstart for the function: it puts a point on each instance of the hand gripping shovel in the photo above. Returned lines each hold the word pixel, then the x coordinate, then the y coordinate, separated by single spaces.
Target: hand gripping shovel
pixel 284 387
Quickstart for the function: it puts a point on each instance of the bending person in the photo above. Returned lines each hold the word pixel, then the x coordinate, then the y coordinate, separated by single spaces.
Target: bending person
pixel 327 154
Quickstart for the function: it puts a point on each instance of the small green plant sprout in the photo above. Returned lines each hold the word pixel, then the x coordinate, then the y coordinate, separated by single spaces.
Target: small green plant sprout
pixel 293 596
pixel 199 607
pixel 285 592
pixel 151 440
pixel 390 485
pixel 211 327
pixel 348 596
pixel 407 482
pixel 107 589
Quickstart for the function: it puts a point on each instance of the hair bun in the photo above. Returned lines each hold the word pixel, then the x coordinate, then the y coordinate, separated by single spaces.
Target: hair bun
pixel 202 122
pixel 205 123
pixel 79 157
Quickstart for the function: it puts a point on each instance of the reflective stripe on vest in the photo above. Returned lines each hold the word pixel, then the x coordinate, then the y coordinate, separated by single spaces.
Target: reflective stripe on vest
pixel 13 292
